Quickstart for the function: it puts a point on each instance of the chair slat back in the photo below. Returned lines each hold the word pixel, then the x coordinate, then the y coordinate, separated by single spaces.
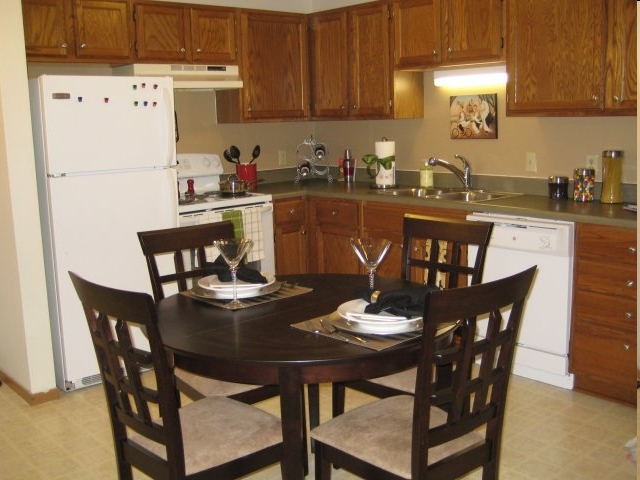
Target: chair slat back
pixel 481 370
pixel 435 251
pixel 183 242
pixel 134 401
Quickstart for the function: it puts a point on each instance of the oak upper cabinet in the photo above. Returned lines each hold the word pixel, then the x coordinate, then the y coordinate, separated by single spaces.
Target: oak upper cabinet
pixel 48 29
pixel 213 35
pixel 329 64
pixel 104 30
pixel 603 331
pixel 274 69
pixel 584 60
pixel 471 31
pixel 173 32
pixel 432 33
pixel 351 73
pixel 621 82
pixel 161 32
pixel 332 222
pixel 78 30
pixel 290 225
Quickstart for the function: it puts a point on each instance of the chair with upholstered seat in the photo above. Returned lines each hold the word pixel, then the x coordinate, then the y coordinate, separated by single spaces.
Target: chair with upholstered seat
pixel 410 436
pixel 435 252
pixel 215 437
pixel 186 248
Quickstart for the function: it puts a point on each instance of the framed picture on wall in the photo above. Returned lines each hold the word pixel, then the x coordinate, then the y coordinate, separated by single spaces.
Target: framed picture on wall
pixel 474 116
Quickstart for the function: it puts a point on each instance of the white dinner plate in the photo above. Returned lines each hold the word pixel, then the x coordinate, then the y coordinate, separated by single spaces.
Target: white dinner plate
pixel 353 310
pixel 228 295
pixel 377 327
pixel 212 283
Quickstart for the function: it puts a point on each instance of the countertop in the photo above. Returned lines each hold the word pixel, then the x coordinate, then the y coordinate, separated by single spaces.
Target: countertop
pixel 520 205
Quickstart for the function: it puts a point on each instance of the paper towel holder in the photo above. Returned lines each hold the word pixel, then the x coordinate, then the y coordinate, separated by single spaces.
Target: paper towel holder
pixel 385 167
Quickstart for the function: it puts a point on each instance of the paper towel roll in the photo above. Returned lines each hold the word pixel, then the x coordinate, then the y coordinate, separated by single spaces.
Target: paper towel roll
pixel 385 149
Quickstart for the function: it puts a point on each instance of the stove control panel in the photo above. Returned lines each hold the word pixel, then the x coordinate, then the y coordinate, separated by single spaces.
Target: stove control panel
pixel 191 165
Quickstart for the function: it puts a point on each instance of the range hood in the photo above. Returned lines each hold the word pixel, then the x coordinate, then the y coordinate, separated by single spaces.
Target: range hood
pixel 188 77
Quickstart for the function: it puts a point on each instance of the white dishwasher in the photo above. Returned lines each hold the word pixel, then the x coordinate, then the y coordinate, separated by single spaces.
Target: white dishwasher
pixel 517 243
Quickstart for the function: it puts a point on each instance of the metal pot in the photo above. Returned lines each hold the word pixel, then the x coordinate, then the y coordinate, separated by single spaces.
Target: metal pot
pixel 233 185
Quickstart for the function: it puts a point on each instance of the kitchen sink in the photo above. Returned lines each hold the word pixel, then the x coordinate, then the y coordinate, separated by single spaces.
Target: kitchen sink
pixel 453 194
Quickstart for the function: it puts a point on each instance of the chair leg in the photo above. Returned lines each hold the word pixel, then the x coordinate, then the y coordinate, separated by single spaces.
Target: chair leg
pixel 314 405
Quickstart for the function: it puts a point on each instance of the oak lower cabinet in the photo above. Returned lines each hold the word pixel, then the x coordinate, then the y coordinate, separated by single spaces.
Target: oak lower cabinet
pixel 384 220
pixel 78 30
pixel 603 335
pixel 571 58
pixel 290 226
pixel 332 223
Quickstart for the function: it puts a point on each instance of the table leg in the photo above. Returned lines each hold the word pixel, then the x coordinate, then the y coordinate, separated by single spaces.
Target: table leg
pixel 291 414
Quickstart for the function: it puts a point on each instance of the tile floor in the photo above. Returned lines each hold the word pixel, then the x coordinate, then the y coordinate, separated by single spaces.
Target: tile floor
pixel 550 434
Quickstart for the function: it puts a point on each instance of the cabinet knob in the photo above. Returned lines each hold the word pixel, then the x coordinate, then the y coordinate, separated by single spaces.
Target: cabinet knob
pixel 198 50
pixel 595 98
pixel 182 50
pixel 626 347
pixel 632 250
pixel 343 107
pixel 628 315
pixel 616 99
pixel 292 211
pixel 64 45
pixel 354 107
pixel 304 231
pixel 631 283
pixel 449 50
pixel 82 45
pixel 434 52
pixel 334 212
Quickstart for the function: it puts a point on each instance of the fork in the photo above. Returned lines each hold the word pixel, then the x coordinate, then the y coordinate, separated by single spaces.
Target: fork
pixel 334 331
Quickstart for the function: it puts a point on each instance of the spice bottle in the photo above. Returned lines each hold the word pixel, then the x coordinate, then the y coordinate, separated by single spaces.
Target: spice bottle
pixel 611 176
pixel 426 174
pixel 348 167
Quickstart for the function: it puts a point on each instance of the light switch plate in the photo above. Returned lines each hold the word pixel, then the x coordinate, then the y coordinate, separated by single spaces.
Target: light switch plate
pixel 531 162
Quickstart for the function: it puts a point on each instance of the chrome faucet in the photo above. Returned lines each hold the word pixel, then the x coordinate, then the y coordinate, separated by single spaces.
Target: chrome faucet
pixel 463 175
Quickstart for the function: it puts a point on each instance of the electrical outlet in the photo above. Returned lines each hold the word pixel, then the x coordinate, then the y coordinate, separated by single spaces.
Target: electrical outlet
pixel 531 163
pixel 593 161
pixel 282 158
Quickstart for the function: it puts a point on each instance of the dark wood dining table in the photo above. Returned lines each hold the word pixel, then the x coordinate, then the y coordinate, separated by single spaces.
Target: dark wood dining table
pixel 258 345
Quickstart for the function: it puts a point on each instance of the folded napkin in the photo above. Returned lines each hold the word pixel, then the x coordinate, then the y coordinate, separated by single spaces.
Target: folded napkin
pixel 406 302
pixel 220 268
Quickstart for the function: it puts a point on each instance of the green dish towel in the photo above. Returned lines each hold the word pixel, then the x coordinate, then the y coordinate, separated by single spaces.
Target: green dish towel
pixel 236 217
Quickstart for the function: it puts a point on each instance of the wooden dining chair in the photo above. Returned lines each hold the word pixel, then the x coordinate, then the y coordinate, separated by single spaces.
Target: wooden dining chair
pixel 214 437
pixel 410 436
pixel 186 247
pixel 435 252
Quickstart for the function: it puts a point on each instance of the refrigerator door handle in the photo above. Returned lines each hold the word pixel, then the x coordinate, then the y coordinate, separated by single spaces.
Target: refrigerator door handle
pixel 172 132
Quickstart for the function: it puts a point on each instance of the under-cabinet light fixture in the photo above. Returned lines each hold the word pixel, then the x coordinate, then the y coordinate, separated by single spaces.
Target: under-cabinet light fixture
pixel 471 77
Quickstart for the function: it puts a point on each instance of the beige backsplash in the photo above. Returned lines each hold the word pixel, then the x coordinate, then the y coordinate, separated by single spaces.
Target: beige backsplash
pixel 560 144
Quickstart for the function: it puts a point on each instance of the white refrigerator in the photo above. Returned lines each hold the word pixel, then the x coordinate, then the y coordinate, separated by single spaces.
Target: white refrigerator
pixel 105 165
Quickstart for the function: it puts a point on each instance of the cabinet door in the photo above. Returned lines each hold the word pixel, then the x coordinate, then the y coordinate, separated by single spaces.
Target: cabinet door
pixel 274 65
pixel 334 221
pixel 103 29
pixel 48 31
pixel 416 33
pixel 160 32
pixel 291 236
pixel 329 68
pixel 370 68
pixel 213 35
pixel 555 56
pixel 622 57
pixel 472 30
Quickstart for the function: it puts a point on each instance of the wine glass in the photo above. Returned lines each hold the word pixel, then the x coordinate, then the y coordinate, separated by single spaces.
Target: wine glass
pixel 371 252
pixel 232 250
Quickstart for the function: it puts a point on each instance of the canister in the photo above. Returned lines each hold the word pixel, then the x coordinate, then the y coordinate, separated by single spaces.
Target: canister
pixel 583 183
pixel 558 188
pixel 611 176
pixel 426 174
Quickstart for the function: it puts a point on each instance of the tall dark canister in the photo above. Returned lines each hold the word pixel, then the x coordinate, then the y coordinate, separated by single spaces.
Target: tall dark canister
pixel 611 176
